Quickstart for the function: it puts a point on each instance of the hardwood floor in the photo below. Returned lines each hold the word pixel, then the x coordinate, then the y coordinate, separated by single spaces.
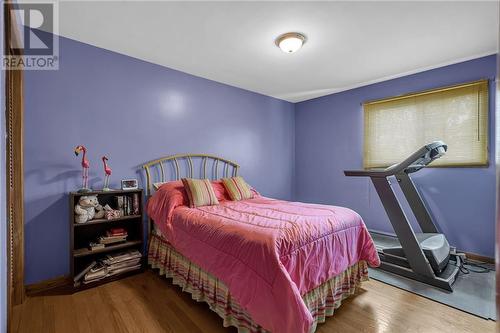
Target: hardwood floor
pixel 150 303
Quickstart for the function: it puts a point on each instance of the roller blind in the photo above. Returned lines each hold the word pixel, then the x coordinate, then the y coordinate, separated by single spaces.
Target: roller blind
pixel 458 115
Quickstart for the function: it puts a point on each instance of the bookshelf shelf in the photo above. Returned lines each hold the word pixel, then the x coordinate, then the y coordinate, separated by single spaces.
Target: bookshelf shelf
pixel 82 234
pixel 99 221
pixel 87 252
pixel 115 277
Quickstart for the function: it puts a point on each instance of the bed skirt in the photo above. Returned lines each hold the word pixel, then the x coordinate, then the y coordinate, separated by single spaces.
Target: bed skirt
pixel 204 287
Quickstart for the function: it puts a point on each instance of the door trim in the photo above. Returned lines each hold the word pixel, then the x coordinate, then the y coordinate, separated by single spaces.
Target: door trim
pixel 14 113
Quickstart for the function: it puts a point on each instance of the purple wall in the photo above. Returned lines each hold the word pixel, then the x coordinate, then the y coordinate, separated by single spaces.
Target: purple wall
pixel 329 139
pixel 135 111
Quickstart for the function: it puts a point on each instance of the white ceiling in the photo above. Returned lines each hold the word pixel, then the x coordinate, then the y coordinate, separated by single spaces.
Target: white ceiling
pixel 349 43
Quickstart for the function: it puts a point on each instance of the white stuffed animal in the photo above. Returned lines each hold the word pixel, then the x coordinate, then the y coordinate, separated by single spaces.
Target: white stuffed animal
pixel 85 210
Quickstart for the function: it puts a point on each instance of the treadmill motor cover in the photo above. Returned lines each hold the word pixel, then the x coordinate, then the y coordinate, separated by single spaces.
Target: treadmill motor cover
pixel 435 247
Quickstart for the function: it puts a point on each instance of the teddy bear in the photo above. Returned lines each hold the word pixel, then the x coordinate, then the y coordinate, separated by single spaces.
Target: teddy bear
pixel 88 208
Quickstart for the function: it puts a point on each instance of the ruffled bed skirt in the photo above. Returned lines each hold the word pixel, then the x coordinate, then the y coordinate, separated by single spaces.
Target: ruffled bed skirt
pixel 204 287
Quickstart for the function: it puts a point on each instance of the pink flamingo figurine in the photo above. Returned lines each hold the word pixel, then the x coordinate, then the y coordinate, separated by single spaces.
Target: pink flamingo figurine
pixel 107 172
pixel 85 166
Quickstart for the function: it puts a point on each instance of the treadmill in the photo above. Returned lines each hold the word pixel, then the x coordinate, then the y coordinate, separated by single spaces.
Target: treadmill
pixel 425 256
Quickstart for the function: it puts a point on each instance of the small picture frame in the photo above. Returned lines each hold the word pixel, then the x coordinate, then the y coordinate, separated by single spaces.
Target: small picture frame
pixel 129 184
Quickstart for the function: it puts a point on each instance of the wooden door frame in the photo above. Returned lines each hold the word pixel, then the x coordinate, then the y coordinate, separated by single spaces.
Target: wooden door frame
pixel 14 112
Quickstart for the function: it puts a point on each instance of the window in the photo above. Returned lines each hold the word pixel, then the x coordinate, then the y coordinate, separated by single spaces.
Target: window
pixel 458 115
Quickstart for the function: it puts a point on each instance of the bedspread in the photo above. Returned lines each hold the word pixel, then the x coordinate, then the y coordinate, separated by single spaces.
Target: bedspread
pixel 268 252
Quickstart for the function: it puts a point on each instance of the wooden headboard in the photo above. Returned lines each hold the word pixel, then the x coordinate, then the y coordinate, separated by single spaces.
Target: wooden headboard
pixel 157 170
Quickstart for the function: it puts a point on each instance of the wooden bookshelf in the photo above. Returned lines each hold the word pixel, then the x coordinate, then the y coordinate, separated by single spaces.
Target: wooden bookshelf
pixel 81 234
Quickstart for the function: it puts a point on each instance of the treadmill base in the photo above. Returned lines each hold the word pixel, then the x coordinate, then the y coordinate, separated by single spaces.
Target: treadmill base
pixel 400 266
pixel 444 281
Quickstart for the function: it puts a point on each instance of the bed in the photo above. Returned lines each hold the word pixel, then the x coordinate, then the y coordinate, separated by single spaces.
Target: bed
pixel 263 265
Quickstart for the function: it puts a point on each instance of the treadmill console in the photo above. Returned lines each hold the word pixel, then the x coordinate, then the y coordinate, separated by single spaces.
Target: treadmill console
pixel 430 152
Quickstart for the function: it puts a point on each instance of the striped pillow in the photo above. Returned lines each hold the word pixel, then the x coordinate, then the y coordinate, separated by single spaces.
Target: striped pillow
pixel 237 188
pixel 200 192
pixel 157 185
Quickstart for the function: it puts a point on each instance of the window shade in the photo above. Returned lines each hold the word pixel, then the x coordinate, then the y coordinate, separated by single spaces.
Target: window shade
pixel 396 127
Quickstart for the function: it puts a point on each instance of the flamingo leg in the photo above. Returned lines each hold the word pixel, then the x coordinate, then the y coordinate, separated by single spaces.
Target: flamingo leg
pixel 83 178
pixel 86 178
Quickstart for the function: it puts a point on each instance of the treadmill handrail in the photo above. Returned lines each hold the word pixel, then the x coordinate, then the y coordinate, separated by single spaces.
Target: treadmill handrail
pixel 399 167
pixel 367 173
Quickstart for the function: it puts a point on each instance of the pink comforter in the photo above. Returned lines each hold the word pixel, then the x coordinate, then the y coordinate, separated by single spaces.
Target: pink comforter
pixel 268 252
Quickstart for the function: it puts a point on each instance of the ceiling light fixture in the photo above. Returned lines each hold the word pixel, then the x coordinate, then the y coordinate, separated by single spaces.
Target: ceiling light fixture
pixel 290 42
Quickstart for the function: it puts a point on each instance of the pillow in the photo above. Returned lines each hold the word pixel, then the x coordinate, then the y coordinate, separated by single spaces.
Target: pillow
pixel 162 203
pixel 200 192
pixel 220 191
pixel 156 186
pixel 237 188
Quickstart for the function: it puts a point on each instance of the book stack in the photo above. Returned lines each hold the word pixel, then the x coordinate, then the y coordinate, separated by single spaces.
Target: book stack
pixel 110 265
pixel 114 235
pixel 122 262
pixel 128 205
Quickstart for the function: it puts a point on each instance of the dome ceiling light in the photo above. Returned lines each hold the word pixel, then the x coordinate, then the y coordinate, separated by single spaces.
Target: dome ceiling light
pixel 290 42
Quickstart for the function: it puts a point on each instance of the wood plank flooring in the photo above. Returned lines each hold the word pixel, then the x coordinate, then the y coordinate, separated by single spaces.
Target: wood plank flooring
pixel 149 303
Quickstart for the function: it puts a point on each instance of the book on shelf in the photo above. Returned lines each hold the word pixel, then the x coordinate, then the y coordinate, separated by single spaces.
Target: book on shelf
pixel 125 213
pixel 122 256
pixel 82 273
pixel 113 235
pixel 135 203
pixel 96 246
pixel 125 204
pixel 97 275
pixel 124 270
pixel 124 264
pixel 119 204
pixel 98 267
pixel 112 239
pixel 130 209
pixel 116 232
